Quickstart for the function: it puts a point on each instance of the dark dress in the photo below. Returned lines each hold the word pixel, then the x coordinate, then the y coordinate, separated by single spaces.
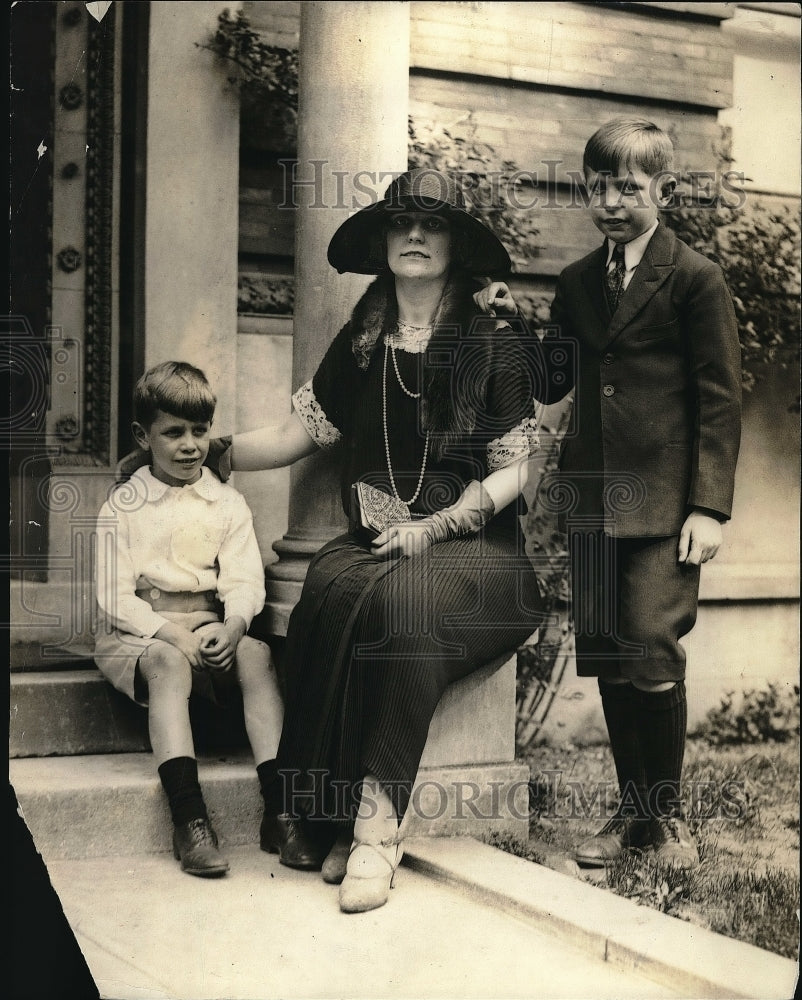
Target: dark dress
pixel 372 645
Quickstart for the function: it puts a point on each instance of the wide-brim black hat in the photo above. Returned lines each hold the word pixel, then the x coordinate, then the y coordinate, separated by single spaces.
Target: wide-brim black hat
pixel 358 245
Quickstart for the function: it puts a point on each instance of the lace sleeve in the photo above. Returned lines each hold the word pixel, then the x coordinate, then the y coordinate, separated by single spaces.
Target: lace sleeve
pixel 519 442
pixel 318 426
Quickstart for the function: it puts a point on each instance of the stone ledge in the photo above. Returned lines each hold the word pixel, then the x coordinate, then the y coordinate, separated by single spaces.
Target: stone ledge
pixel 691 960
pixel 749 582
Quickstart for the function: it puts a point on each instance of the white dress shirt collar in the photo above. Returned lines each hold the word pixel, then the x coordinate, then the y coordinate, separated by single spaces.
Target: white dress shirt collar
pixel 153 489
pixel 634 250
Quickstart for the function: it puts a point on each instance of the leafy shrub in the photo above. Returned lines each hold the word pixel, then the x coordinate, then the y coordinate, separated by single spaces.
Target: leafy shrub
pixel 758 248
pixel 755 717
pixel 265 294
pixel 267 76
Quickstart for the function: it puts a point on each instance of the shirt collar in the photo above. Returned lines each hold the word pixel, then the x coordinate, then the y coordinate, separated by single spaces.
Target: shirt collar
pixel 153 489
pixel 634 250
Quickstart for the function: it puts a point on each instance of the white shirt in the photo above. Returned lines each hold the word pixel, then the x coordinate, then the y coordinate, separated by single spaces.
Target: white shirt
pixel 633 253
pixel 195 538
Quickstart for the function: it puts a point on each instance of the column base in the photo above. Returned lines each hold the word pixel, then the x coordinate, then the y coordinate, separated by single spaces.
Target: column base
pixel 284 579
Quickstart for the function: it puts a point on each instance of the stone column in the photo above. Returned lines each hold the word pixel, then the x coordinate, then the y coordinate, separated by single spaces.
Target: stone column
pixel 352 133
pixel 192 200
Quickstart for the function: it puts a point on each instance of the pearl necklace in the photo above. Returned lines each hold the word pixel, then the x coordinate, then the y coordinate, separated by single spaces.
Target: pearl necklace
pixel 408 392
pixel 413 395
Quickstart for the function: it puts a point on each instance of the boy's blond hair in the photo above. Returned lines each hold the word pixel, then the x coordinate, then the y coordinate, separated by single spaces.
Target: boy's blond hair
pixel 631 144
pixel 173 387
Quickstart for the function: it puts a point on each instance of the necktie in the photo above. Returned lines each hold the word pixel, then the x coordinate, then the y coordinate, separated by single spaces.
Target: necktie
pixel 614 278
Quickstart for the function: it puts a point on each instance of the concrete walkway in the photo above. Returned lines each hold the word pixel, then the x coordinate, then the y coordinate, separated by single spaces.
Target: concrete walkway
pixel 150 932
pixel 464 921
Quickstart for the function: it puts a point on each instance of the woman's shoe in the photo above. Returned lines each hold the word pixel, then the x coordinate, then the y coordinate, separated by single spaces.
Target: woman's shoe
pixel 336 863
pixel 370 874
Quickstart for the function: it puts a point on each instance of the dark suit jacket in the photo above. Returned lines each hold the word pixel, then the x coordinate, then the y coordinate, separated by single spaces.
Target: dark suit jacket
pixel 657 410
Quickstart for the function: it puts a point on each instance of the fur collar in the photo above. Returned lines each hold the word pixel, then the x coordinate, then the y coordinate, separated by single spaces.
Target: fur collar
pixel 449 402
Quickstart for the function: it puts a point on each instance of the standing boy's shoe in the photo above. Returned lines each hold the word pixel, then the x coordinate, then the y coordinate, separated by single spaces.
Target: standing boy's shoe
pixel 195 845
pixel 616 836
pixel 673 842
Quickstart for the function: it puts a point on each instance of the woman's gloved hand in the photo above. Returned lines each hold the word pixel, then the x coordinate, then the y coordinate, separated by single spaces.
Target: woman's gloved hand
pixel 470 513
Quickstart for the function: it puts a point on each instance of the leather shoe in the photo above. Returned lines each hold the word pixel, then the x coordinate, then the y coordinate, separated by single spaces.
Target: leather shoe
pixel 673 842
pixel 296 842
pixel 336 863
pixel 195 846
pixel 616 836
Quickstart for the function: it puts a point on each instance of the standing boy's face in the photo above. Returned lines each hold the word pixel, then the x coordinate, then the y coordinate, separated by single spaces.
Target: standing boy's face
pixel 626 205
pixel 177 446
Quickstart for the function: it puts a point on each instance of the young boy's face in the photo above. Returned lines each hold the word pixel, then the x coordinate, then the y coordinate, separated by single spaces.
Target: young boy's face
pixel 625 205
pixel 177 447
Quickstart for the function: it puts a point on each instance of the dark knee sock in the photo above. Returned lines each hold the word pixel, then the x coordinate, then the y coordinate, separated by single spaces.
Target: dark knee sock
pixel 663 720
pixel 272 787
pixel 620 707
pixel 179 778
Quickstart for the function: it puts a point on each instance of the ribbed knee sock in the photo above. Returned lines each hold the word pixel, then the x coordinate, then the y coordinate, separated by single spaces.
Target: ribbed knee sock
pixel 271 784
pixel 663 721
pixel 620 706
pixel 179 778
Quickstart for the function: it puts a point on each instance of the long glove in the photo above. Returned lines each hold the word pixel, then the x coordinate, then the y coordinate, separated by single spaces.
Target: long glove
pixel 218 460
pixel 470 513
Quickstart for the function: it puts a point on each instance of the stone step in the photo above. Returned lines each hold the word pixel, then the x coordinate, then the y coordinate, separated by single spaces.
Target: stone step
pixel 81 767
pixel 104 805
pixel 112 805
pixel 69 712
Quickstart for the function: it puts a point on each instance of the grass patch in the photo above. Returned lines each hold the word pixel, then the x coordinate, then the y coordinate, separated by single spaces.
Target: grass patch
pixel 743 809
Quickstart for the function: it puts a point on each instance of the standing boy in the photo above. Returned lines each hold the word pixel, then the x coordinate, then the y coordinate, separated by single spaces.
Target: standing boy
pixel 179 579
pixel 647 338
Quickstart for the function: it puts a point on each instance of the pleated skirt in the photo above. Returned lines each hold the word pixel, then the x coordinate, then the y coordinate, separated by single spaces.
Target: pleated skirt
pixel 372 645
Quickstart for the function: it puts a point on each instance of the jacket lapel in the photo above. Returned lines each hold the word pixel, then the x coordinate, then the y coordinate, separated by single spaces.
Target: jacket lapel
pixel 655 267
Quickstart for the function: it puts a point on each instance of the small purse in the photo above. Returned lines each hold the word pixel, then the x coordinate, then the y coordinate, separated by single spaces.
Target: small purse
pixel 373 511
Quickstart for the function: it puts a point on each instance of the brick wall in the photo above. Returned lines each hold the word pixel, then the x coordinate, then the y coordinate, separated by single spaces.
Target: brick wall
pixel 537 79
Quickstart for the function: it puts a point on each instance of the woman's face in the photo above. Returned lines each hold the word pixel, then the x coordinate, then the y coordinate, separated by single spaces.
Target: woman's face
pixel 418 244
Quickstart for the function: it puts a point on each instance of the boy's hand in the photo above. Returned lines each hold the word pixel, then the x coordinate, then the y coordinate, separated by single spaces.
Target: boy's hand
pixel 700 538
pixel 187 642
pixel 219 644
pixel 495 299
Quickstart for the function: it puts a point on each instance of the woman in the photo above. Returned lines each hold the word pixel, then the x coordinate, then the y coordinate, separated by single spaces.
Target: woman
pixel 430 401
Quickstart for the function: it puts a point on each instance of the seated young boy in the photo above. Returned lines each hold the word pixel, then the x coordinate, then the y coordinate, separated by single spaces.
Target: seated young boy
pixel 179 579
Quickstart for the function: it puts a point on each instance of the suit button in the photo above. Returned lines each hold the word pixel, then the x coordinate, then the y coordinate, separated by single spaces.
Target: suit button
pixel 608 390
pixel 608 359
pixel 155 593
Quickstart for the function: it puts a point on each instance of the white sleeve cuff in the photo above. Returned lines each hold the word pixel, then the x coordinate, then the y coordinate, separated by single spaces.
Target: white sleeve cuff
pixel 317 424
pixel 520 442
